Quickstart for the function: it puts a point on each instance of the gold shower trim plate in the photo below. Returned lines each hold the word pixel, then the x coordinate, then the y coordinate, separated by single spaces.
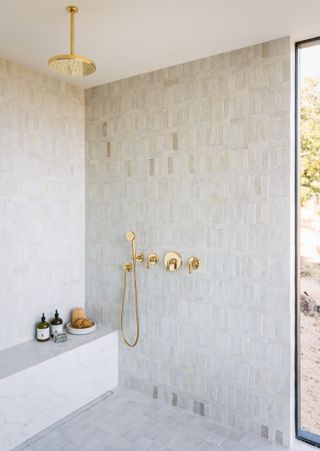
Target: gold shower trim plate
pixel 172 261
pixel 72 9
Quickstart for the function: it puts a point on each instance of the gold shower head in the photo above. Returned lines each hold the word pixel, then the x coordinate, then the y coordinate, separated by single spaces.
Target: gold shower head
pixel 71 64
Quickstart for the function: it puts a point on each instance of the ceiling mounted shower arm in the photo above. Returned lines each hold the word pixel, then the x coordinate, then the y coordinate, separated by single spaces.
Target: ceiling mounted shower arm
pixel 72 10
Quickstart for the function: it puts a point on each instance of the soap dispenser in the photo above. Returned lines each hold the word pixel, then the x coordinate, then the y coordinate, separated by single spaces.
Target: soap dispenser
pixel 56 325
pixel 43 329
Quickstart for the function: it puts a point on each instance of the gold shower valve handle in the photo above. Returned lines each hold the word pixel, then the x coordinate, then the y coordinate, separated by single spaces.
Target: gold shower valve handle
pixel 172 261
pixel 193 264
pixel 140 257
pixel 152 260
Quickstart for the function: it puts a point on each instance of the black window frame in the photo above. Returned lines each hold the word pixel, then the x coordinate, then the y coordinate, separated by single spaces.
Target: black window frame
pixel 304 436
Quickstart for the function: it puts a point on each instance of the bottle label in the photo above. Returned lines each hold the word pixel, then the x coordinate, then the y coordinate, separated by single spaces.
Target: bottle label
pixel 43 334
pixel 56 329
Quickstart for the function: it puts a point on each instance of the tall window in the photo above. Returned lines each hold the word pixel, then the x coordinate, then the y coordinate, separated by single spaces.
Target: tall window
pixel 308 240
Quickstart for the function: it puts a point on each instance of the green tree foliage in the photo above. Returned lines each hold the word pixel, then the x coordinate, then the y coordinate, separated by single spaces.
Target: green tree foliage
pixel 310 139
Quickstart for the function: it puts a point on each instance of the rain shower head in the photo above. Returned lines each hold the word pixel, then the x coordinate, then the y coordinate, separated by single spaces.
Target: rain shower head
pixel 70 64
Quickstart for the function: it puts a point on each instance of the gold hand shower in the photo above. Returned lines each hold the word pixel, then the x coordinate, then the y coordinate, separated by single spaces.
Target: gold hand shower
pixel 128 267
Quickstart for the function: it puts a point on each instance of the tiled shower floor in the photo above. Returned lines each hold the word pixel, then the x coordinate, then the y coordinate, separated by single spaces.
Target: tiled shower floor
pixel 131 421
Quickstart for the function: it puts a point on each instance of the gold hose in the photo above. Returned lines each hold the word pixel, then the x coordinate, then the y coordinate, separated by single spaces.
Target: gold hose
pixel 127 268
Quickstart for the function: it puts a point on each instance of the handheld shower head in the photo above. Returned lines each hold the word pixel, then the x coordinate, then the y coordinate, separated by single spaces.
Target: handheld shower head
pixel 127 267
pixel 131 236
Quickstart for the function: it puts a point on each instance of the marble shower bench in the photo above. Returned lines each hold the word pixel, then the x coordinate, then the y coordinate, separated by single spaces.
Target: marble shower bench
pixel 41 383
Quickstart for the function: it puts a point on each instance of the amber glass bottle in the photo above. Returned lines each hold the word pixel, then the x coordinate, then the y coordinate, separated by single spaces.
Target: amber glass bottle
pixel 43 329
pixel 56 325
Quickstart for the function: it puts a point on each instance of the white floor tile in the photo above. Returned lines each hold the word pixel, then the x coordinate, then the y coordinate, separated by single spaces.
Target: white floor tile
pixel 131 421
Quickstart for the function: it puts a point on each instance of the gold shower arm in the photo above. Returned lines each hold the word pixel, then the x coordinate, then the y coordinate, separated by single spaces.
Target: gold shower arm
pixel 72 10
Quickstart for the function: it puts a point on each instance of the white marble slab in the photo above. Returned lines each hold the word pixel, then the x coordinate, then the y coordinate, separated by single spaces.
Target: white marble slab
pixel 60 379
pixel 25 355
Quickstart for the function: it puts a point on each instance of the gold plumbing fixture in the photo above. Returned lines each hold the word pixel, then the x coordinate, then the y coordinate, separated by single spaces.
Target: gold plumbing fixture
pixel 128 267
pixel 71 64
pixel 193 264
pixel 140 257
pixel 172 261
pixel 131 236
pixel 152 260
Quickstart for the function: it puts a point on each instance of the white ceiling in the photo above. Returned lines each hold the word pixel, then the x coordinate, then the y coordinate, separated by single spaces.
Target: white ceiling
pixel 127 37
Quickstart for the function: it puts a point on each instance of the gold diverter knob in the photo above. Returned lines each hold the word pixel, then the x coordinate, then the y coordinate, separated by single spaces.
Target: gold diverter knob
pixel 152 260
pixel 172 261
pixel 193 264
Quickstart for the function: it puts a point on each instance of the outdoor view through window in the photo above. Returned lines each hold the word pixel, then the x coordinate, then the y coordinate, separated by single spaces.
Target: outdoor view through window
pixel 308 91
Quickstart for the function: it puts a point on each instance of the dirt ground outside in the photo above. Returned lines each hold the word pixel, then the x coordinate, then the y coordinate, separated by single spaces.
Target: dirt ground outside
pixel 310 320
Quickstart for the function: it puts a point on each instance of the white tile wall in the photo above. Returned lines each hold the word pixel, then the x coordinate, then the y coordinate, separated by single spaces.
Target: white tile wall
pixel 196 158
pixel 41 199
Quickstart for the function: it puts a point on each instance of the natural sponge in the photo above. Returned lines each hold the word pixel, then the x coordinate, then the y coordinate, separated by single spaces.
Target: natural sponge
pixel 78 313
pixel 82 323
